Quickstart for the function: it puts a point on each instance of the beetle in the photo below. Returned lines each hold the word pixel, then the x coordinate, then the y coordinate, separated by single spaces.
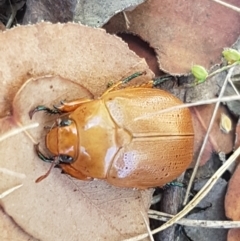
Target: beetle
pixel 114 138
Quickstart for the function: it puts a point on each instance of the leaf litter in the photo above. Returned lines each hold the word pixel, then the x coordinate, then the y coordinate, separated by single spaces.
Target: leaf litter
pixel 48 121
pixel 182 33
pixel 44 71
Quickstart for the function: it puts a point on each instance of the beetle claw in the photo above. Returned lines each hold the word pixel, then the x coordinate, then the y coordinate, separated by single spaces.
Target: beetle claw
pixel 31 113
pixel 53 111
pixel 129 78
pixel 56 108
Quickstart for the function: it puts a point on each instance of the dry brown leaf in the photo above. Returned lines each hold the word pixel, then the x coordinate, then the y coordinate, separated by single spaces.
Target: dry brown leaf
pixel 237 138
pixel 218 140
pixel 233 234
pixel 232 197
pixel 232 203
pixel 49 10
pixel 10 231
pixel 92 13
pixel 64 50
pixel 182 33
pixel 2 26
pixel 143 50
pixel 96 13
pixel 52 63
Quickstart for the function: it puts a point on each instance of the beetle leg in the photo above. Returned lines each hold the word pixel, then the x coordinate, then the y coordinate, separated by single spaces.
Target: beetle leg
pixel 121 82
pixel 174 184
pixel 73 172
pixel 42 156
pixel 53 160
pixel 159 80
pixel 72 105
pixel 133 76
pixel 64 107
pixel 53 111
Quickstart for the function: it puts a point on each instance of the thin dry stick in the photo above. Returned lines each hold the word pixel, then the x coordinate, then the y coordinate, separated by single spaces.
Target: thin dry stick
pixel 194 223
pixel 17 130
pixel 5 136
pixel 12 173
pixel 206 137
pixel 12 16
pixel 202 102
pixel 233 86
pixel 228 5
pixel 148 228
pixel 4 194
pixel 127 22
pixel 200 195
pixel 224 68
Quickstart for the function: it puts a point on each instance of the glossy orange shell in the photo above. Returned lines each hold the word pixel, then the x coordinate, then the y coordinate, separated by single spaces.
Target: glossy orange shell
pixel 122 138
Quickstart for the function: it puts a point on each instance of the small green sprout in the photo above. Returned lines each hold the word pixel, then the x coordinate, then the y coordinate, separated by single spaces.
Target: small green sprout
pixel 231 55
pixel 200 73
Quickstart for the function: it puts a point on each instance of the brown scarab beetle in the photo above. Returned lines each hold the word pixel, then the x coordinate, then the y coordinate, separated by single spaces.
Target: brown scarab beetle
pixel 122 138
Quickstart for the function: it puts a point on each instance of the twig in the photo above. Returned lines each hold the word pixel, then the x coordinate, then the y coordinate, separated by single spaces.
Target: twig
pixel 127 22
pixel 17 130
pixel 4 194
pixel 206 137
pixel 12 16
pixel 194 223
pixel 148 228
pixel 202 102
pixel 228 5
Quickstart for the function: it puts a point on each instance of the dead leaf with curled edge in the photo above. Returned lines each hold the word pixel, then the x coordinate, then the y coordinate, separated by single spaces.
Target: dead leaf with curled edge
pixel 96 13
pixel 92 13
pixel 10 231
pixel 232 198
pixel 232 203
pixel 52 63
pixel 218 140
pixel 182 33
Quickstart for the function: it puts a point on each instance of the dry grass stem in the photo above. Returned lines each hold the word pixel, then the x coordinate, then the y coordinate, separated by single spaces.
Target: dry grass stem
pixel 12 173
pixel 228 5
pixel 206 136
pixel 17 131
pixel 148 228
pixel 194 223
pixel 202 102
pixel 127 22
pixel 12 16
pixel 4 194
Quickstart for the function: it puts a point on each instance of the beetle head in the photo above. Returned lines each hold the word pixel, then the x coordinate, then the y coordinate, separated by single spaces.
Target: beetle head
pixel 62 141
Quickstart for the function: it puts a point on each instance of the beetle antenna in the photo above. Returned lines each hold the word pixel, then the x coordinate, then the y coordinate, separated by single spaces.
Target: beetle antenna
pixel 54 163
